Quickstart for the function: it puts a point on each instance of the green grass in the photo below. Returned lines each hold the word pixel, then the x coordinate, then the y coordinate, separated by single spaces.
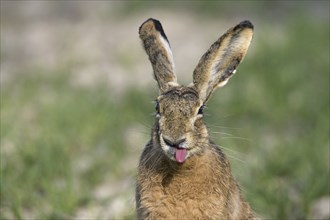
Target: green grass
pixel 273 119
pixel 48 126
pixel 279 103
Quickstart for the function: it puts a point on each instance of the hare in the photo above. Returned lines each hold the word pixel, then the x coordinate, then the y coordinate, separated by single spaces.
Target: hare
pixel 182 174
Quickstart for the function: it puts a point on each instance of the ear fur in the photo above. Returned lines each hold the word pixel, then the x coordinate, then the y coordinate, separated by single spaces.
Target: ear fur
pixel 159 51
pixel 219 63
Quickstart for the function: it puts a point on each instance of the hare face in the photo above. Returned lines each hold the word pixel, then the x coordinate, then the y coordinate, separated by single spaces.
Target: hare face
pixel 179 122
pixel 180 130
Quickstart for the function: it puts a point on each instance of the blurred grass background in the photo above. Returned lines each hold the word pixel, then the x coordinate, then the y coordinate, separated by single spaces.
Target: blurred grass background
pixel 76 110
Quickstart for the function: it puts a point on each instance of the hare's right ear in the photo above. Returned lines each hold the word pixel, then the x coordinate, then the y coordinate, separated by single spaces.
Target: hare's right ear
pixel 160 55
pixel 219 63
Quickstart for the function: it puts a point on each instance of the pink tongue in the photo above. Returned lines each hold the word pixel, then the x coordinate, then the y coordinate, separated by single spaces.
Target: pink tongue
pixel 180 155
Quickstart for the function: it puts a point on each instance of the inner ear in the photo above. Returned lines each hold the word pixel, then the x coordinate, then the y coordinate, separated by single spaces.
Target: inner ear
pixel 219 63
pixel 157 107
pixel 201 110
pixel 158 48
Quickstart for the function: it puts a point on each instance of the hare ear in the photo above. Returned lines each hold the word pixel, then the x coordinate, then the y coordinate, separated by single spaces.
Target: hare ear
pixel 160 55
pixel 219 63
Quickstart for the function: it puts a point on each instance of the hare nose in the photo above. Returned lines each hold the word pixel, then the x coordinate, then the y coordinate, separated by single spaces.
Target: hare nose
pixel 176 144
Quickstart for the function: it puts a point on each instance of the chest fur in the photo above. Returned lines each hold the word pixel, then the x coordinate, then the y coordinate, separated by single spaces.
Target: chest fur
pixel 199 191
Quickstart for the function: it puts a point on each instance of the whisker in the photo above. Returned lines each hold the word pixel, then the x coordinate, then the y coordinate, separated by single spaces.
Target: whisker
pixel 241 138
pixel 236 158
pixel 231 150
pixel 224 127
pixel 219 132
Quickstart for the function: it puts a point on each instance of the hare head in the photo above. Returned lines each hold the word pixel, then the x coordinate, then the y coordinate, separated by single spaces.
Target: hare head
pixel 179 128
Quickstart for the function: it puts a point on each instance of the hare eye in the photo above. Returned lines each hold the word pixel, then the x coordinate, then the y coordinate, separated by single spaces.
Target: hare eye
pixel 200 110
pixel 157 107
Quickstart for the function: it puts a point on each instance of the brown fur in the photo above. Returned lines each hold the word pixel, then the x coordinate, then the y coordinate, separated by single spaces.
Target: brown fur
pixel 202 186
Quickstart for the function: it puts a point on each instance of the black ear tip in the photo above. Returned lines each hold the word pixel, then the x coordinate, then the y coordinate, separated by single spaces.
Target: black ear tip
pixel 150 19
pixel 158 27
pixel 155 21
pixel 245 24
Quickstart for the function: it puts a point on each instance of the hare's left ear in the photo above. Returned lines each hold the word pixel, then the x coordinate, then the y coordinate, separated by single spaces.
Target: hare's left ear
pixel 219 63
pixel 160 55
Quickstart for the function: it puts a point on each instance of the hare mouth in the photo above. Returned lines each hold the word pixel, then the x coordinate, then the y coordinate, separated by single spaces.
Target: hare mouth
pixel 177 154
pixel 175 150
pixel 181 155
